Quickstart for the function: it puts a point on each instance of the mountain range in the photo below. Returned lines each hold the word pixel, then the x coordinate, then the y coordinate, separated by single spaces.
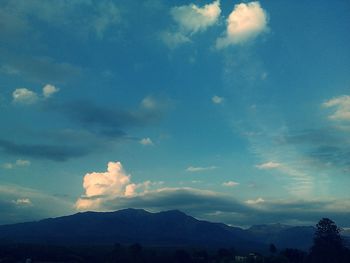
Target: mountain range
pixel 169 228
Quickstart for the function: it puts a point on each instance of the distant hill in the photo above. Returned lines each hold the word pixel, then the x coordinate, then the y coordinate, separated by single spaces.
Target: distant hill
pixel 284 236
pixel 169 228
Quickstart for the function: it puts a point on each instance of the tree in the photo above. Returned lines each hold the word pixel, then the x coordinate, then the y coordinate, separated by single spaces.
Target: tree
pixel 272 249
pixel 328 245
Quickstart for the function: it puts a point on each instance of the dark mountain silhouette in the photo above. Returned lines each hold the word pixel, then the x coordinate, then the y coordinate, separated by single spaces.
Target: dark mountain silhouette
pixel 284 236
pixel 170 228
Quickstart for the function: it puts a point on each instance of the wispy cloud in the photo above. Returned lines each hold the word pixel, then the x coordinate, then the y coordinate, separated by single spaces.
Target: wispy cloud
pixel 245 22
pixel 43 151
pixel 268 165
pixel 341 106
pixel 230 184
pixel 18 163
pixel 255 201
pixel 195 169
pixel 111 122
pixel 20 204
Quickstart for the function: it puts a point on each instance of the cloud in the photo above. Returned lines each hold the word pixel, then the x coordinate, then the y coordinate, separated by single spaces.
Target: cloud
pixel 192 18
pixel 268 165
pixel 193 169
pixel 341 105
pixel 38 68
pixel 49 90
pixel 146 141
pixel 113 184
pixel 18 163
pixel 230 184
pixel 111 122
pixel 256 201
pixel 21 204
pixel 43 151
pixel 7 166
pixel 174 39
pixel 25 96
pixel 108 15
pixel 217 100
pixel 85 17
pixel 245 22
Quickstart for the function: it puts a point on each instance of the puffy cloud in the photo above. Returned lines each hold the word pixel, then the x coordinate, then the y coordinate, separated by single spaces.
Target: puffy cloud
pixel 245 22
pixel 112 184
pixel 192 18
pixel 217 100
pixel 256 201
pixel 49 90
pixel 268 165
pixel 230 184
pixel 341 105
pixel 146 141
pixel 193 169
pixel 25 96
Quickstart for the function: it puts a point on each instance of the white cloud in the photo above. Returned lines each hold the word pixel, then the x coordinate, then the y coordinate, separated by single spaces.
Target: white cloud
pixel 245 22
pixel 149 103
pixel 192 18
pixel 341 105
pixel 49 90
pixel 24 96
pixel 174 39
pixel 7 166
pixel 20 162
pixel 256 201
pixel 108 16
pixel 230 184
pixel 217 100
pixel 146 141
pixel 268 165
pixel 22 202
pixel 193 169
pixel 109 185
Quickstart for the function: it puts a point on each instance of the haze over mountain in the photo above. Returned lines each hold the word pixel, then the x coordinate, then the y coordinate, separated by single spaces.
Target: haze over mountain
pixel 169 228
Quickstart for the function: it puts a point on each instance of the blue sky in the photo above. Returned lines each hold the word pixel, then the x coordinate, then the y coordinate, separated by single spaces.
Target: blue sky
pixel 231 111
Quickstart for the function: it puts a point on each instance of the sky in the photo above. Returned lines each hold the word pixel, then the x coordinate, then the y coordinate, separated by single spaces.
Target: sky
pixel 231 111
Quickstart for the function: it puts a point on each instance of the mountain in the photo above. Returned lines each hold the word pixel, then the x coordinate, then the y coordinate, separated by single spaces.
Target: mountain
pixel 169 228
pixel 283 236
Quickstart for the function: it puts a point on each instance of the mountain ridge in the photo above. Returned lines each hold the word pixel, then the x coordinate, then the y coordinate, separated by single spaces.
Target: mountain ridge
pixel 166 228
